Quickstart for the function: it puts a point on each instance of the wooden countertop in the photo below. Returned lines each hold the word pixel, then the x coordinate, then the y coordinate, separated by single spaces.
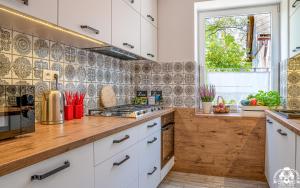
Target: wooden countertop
pixel 292 124
pixel 51 140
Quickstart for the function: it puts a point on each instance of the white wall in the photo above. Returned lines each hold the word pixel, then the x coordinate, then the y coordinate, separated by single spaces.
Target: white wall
pixel 175 30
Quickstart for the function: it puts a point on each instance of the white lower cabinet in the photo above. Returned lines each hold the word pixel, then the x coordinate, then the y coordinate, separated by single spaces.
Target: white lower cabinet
pixel 79 174
pixel 119 171
pixel 280 149
pixel 149 161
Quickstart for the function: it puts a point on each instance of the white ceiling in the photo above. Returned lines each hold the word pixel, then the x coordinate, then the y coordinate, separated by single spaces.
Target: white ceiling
pixel 205 5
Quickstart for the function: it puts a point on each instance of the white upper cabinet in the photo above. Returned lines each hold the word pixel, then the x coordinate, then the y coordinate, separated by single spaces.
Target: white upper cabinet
pixel 126 25
pixel 149 10
pixel 135 4
pixel 148 40
pixel 294 33
pixel 42 9
pixel 88 17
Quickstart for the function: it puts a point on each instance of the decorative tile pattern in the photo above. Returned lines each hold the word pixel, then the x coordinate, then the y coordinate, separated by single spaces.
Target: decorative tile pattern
pixel 23 59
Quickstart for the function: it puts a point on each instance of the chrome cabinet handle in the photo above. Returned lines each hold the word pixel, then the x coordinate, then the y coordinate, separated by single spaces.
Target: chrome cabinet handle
pixel 127 157
pixel 296 49
pixel 281 132
pixel 25 2
pixel 150 17
pixel 128 45
pixel 126 137
pixel 269 121
pixel 153 125
pixel 150 55
pixel 96 31
pixel 295 3
pixel 152 141
pixel 66 164
pixel 152 172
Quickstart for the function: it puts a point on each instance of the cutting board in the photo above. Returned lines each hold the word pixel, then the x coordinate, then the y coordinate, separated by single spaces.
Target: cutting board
pixel 108 97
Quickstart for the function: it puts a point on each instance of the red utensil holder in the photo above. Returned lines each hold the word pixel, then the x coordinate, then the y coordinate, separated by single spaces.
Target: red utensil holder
pixel 78 111
pixel 69 112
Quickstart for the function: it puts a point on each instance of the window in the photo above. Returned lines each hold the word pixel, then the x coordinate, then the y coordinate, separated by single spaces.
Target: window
pixel 238 51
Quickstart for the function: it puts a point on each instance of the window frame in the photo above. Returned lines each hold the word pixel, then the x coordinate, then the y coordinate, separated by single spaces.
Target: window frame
pixel 275 38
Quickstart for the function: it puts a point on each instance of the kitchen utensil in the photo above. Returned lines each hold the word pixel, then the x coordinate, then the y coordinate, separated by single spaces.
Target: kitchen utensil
pixel 53 106
pixel 108 97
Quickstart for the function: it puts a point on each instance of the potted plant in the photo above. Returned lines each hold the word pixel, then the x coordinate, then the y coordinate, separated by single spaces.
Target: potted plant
pixel 207 95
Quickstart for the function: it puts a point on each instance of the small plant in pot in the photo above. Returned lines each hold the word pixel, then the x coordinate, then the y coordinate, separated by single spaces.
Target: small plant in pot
pixel 207 95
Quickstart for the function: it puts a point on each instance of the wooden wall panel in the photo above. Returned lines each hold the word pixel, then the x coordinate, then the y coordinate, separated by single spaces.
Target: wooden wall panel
pixel 219 146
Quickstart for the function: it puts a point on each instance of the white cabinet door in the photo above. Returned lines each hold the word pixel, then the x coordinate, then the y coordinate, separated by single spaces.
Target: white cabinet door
pixel 125 27
pixel 294 6
pixel 149 161
pixel 88 17
pixel 79 174
pixel 135 4
pixel 294 33
pixel 148 40
pixel 42 9
pixel 119 171
pixel 281 147
pixel 149 10
pixel 298 156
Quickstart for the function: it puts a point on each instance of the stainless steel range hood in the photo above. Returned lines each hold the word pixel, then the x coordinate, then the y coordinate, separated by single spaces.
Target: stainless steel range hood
pixel 13 19
pixel 115 52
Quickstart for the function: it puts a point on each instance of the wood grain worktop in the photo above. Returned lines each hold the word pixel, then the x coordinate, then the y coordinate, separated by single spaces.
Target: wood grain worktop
pixel 51 140
pixel 292 124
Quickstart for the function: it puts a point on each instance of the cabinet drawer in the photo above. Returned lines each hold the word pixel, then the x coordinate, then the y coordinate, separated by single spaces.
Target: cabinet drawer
pixel 126 30
pixel 79 174
pixel 149 128
pixel 35 8
pixel 109 146
pixel 150 161
pixel 119 171
pixel 294 33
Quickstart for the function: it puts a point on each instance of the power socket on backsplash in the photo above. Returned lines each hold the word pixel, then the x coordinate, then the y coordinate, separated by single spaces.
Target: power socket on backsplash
pixel 48 75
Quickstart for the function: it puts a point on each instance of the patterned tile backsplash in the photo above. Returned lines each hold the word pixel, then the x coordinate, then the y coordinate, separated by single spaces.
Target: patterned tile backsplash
pixel 23 59
pixel 290 82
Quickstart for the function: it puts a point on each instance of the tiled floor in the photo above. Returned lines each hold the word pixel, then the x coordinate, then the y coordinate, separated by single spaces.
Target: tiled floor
pixel 184 180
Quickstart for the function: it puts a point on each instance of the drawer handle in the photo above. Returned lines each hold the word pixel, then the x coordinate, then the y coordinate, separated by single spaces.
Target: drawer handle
pixel 269 121
pixel 150 55
pixel 153 125
pixel 25 2
pixel 132 1
pixel 128 45
pixel 295 3
pixel 96 31
pixel 43 176
pixel 152 172
pixel 152 141
pixel 127 157
pixel 150 17
pixel 126 137
pixel 296 49
pixel 281 132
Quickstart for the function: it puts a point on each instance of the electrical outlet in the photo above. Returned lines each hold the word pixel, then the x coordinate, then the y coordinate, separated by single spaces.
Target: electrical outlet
pixel 48 75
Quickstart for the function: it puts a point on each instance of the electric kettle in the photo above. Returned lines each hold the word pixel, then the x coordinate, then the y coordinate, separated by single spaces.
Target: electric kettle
pixel 53 106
